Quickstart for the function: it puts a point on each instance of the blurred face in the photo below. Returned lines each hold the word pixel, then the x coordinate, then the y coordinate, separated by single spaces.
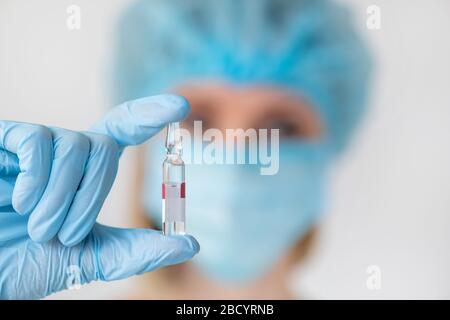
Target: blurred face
pixel 245 221
pixel 224 106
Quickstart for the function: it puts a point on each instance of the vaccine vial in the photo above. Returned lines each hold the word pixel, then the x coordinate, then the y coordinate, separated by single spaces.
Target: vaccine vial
pixel 173 186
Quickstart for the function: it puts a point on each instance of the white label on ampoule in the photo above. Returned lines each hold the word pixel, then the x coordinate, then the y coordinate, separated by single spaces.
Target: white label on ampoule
pixel 173 202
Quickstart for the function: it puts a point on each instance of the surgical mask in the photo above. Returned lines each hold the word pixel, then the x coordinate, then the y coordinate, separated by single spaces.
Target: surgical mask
pixel 245 221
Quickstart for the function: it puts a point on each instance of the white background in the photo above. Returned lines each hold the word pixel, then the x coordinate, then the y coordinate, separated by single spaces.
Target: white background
pixel 390 199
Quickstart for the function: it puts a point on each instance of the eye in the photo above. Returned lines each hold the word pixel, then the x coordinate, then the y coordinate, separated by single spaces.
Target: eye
pixel 188 123
pixel 288 128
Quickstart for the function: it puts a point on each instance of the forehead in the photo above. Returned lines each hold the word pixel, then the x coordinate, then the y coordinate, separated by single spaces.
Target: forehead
pixel 247 100
pixel 222 93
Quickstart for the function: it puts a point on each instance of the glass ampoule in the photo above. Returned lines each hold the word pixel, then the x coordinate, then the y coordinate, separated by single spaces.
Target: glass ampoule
pixel 173 186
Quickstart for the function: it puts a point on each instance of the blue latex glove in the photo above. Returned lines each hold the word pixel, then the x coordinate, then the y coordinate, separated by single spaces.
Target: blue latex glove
pixel 53 183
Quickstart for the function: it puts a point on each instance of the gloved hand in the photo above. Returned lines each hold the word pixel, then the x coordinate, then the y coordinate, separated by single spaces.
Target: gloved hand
pixel 53 183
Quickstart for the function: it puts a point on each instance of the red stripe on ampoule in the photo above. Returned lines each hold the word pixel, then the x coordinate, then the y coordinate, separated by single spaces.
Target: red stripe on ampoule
pixel 163 191
pixel 183 190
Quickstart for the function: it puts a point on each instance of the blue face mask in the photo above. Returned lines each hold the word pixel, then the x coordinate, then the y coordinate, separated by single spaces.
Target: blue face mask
pixel 245 221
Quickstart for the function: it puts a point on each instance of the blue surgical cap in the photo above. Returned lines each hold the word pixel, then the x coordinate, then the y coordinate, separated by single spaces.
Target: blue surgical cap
pixel 308 46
